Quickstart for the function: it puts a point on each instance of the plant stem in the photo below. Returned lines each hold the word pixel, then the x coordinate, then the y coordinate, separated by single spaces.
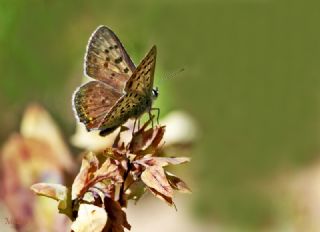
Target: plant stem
pixel 122 199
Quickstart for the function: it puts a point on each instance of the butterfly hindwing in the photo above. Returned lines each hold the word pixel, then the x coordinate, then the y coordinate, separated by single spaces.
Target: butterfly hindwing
pixel 106 59
pixel 141 80
pixel 92 101
pixel 128 106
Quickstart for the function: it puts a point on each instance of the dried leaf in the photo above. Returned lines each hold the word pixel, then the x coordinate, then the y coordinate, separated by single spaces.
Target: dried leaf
pixel 162 161
pixel 146 140
pixel 155 178
pixel 114 153
pixel 151 143
pixel 117 139
pixel 90 219
pixel 138 141
pixel 155 141
pixel 165 198
pixel 177 184
pixel 57 192
pixel 117 217
pixel 88 167
pixel 109 169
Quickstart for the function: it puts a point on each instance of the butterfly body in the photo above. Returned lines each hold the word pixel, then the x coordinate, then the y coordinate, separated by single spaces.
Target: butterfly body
pixel 120 90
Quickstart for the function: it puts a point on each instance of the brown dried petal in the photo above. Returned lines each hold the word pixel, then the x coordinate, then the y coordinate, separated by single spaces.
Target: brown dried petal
pixel 162 161
pixel 117 142
pixel 109 169
pixel 152 144
pixel 140 139
pixel 162 197
pixel 155 178
pixel 147 140
pixel 114 153
pixel 177 184
pixel 89 165
pixel 155 142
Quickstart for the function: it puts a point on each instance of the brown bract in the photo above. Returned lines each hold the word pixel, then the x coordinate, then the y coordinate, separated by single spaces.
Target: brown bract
pixel 122 172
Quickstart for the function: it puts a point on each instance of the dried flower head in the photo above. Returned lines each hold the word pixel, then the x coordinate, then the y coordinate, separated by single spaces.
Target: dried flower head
pixel 122 172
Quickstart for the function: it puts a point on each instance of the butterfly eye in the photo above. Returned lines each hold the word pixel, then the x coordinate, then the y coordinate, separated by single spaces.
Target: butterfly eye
pixel 155 92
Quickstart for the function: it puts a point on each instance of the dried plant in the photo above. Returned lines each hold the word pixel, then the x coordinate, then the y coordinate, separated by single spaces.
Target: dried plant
pixel 106 181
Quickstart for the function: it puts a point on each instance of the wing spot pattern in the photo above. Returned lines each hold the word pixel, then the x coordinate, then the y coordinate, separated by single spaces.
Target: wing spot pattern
pixel 118 60
pixel 150 61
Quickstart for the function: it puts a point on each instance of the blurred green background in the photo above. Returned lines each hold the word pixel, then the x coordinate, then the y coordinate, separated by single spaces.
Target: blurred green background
pixel 251 82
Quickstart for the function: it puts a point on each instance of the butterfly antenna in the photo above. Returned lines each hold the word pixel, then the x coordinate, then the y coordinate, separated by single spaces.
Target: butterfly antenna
pixel 175 73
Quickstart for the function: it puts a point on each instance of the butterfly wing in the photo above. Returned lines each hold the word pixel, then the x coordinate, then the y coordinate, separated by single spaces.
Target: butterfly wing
pixel 92 101
pixel 141 80
pixel 129 105
pixel 106 59
pixel 135 101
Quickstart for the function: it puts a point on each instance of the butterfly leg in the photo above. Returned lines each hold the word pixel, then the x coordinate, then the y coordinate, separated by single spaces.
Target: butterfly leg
pixel 158 113
pixel 139 123
pixel 134 126
pixel 151 117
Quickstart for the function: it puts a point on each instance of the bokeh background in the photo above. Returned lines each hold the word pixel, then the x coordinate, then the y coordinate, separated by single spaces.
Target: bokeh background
pixel 251 83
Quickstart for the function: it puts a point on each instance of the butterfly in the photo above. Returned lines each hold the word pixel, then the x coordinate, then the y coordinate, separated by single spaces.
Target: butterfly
pixel 120 90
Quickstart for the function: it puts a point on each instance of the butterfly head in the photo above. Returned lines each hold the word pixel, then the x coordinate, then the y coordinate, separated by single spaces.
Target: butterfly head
pixel 155 93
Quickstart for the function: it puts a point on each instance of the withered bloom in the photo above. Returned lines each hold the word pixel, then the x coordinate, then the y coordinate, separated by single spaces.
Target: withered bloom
pixel 122 172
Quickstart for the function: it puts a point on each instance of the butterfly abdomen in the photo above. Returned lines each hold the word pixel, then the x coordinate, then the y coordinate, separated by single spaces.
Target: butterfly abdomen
pixel 107 131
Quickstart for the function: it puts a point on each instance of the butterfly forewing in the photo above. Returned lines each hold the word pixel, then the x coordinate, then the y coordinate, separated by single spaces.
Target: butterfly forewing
pixel 141 80
pixel 92 101
pixel 106 59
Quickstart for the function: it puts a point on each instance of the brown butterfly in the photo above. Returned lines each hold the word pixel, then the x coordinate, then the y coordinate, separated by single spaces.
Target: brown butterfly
pixel 120 90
